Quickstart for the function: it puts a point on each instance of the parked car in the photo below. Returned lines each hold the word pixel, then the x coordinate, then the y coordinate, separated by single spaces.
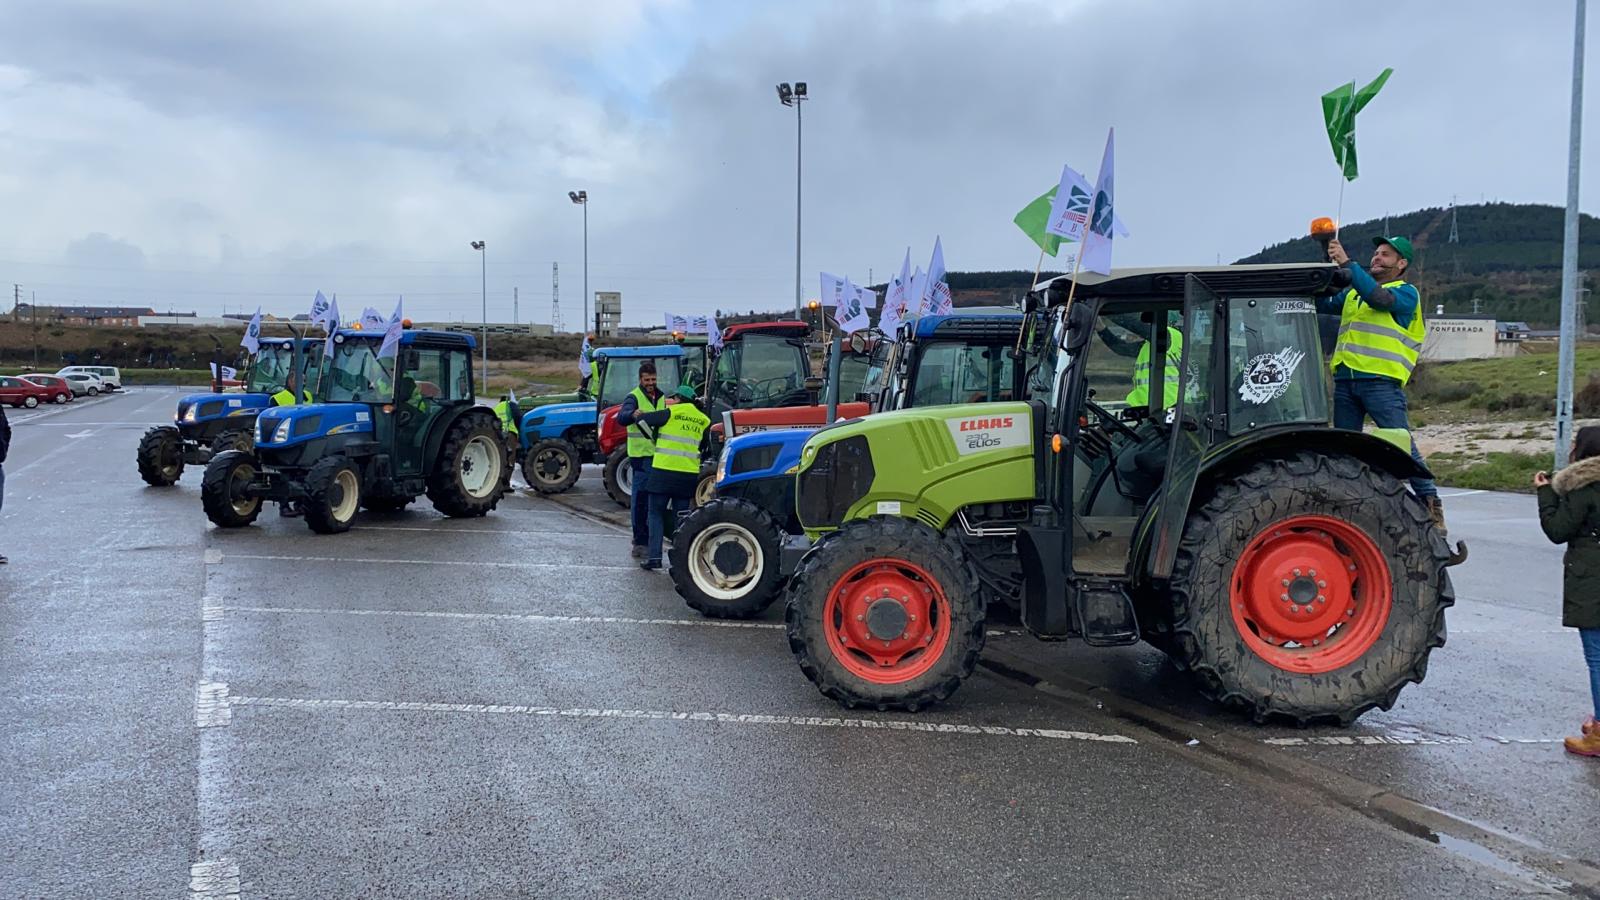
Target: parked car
pixel 84 383
pixel 110 376
pixel 22 392
pixel 61 388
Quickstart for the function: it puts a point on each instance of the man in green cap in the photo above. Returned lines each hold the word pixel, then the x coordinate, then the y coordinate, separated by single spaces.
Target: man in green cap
pixel 1380 338
pixel 675 469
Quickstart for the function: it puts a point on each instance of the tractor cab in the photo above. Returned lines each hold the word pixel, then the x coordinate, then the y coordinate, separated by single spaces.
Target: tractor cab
pixel 384 430
pixel 760 365
pixel 1172 478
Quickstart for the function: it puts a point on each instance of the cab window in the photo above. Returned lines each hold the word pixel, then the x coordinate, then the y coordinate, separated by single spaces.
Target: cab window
pixel 956 372
pixel 1275 368
pixel 622 376
pixel 357 375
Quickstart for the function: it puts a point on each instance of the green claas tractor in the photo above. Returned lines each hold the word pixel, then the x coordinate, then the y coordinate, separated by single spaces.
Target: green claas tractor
pixel 1178 482
pixel 384 431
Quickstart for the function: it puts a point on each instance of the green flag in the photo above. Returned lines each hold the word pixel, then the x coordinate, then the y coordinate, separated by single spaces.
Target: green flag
pixel 1339 108
pixel 1033 219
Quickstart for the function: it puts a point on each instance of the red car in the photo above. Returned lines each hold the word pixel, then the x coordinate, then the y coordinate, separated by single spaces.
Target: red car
pixel 22 392
pixel 61 388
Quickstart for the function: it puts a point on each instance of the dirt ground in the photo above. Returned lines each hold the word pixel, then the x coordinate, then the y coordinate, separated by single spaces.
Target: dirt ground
pixel 1531 436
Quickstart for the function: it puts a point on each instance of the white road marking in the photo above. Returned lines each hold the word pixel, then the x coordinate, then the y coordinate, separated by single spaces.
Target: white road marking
pixel 676 716
pixel 87 432
pixel 545 531
pixel 1460 494
pixel 213 556
pixel 1362 740
pixel 420 562
pixel 211 705
pixel 216 879
pixel 1505 740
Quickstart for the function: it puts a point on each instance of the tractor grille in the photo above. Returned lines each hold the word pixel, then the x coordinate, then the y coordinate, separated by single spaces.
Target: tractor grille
pixel 841 474
pixel 307 425
pixel 754 459
pixel 209 409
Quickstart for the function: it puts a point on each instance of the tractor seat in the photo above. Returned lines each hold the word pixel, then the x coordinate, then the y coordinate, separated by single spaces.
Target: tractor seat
pixel 1138 471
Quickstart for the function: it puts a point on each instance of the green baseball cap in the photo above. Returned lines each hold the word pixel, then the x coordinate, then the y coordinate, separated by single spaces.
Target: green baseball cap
pixel 684 392
pixel 1401 245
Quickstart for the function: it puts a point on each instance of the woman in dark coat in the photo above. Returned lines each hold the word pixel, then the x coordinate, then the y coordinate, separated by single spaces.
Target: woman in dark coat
pixel 1569 512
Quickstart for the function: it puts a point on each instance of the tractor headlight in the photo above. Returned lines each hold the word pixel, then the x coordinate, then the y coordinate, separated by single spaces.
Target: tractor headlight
pixel 282 433
pixel 188 414
pixel 722 465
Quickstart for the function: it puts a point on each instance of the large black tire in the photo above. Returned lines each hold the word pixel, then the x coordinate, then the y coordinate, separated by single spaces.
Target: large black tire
pixel 333 494
pixel 725 559
pixel 237 439
pixel 386 505
pixel 225 474
pixel 160 456
pixel 473 470
pixel 552 466
pixel 619 477
pixel 705 489
pixel 832 567
pixel 1374 510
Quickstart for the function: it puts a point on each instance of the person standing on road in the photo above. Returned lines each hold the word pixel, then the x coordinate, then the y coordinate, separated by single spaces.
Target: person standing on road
pixel 675 469
pixel 1380 337
pixel 644 399
pixel 1569 513
pixel 5 448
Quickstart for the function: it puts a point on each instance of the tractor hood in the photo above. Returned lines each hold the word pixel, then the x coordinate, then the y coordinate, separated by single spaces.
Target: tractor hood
pixel 284 426
pixel 762 454
pixel 564 414
pixel 925 463
pixel 195 408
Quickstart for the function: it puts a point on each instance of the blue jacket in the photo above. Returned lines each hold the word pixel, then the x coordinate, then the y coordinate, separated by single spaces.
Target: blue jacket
pixel 1403 303
pixel 5 436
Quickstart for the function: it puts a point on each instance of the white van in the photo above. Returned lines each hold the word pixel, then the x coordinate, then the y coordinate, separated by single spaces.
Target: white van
pixel 109 376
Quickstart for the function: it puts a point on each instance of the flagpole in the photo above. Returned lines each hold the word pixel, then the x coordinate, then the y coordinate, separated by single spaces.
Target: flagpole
pixel 1077 262
pixel 1338 216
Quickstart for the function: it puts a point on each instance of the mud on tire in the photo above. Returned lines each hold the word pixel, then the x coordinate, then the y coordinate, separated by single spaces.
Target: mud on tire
pixel 552 466
pixel 835 565
pixel 732 541
pixel 619 477
pixel 224 475
pixel 333 494
pixel 1375 509
pixel 160 456
pixel 455 486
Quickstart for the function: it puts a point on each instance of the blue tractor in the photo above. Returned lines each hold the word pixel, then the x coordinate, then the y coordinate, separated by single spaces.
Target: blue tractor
pixel 384 431
pixel 732 555
pixel 559 438
pixel 207 424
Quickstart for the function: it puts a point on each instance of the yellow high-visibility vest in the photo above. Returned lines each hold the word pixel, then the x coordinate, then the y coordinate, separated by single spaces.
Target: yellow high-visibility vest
pixel 1371 341
pixel 678 440
pixel 639 444
pixel 1140 395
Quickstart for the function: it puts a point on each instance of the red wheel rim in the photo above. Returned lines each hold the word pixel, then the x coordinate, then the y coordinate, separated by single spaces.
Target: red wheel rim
pixel 1311 594
pixel 887 621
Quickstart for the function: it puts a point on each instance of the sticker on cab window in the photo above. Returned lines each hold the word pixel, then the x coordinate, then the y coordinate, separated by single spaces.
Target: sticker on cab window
pixel 1283 307
pixel 1268 376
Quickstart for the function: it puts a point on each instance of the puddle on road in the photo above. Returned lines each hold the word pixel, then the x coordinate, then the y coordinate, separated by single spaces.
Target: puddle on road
pixel 1483 856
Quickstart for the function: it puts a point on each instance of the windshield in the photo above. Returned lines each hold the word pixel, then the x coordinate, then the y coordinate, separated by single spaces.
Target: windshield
pixel 959 372
pixel 270 370
pixel 358 375
pixel 1274 363
pixel 760 370
pixel 622 376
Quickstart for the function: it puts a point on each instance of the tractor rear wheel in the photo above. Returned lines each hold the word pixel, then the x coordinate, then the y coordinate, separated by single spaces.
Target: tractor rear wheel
pixel 222 490
pixel 886 613
pixel 333 495
pixel 619 477
pixel 160 456
pixel 1310 588
pixel 232 440
pixel 552 466
pixel 725 559
pixel 472 471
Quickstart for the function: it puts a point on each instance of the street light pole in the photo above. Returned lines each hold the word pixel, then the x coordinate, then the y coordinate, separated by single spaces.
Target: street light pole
pixel 794 96
pixel 1569 257
pixel 483 257
pixel 582 199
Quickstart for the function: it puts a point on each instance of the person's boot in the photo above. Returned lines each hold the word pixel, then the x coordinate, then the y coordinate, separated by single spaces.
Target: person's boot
pixel 1436 511
pixel 639 551
pixel 1590 726
pixel 1588 745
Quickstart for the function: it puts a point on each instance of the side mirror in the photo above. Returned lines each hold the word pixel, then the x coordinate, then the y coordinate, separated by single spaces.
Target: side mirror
pixel 813 384
pixel 1080 327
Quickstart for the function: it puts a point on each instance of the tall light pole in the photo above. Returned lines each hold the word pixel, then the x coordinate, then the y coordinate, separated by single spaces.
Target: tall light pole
pixel 794 97
pixel 582 199
pixel 483 256
pixel 1569 256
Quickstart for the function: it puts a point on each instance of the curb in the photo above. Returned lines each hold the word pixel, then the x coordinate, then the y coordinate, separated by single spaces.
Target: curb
pixel 1506 853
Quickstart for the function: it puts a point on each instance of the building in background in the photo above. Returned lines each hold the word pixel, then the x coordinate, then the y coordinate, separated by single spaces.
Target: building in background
pixel 607 313
pixel 1470 337
pixel 120 316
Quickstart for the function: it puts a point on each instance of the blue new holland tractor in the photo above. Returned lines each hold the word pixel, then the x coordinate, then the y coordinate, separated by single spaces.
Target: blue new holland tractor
pixel 384 431
pixel 207 424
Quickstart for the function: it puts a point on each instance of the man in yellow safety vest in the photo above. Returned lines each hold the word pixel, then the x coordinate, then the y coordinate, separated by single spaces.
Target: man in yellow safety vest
pixel 675 469
pixel 1140 395
pixel 1380 338
pixel 643 400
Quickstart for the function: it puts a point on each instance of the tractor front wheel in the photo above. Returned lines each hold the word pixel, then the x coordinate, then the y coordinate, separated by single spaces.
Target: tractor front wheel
pixel 333 494
pixel 1310 588
pixel 472 471
pixel 552 466
pixel 725 559
pixel 705 490
pixel 223 490
pixel 160 456
pixel 886 613
pixel 619 477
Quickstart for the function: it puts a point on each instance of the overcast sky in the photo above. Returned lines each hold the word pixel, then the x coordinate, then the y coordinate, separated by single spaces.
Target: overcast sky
pixel 210 155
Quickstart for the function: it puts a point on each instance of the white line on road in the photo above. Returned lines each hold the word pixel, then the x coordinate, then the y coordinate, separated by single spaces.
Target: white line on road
pixel 420 562
pixel 216 879
pixel 1460 494
pixel 671 715
pixel 1363 740
pixel 87 432
pixel 544 531
pixel 211 705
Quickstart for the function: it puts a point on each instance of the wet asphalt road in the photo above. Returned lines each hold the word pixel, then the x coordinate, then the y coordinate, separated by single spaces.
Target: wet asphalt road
pixel 507 706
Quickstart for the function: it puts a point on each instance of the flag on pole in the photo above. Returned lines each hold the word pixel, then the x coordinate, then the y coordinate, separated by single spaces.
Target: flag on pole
pixel 585 366
pixel 853 312
pixel 833 291
pixel 895 299
pixel 713 333
pixel 392 332
pixel 1069 208
pixel 1339 108
pixel 1097 242
pixel 224 373
pixel 1034 220
pixel 252 334
pixel 917 288
pixel 330 321
pixel 319 310
pixel 936 298
pixel 371 318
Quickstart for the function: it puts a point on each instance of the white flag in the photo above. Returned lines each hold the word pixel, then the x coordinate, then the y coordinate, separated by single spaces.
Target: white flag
pixel 392 332
pixel 713 333
pixel 319 309
pixel 833 291
pixel 330 321
pixel 252 334
pixel 699 325
pixel 1097 243
pixel 1069 211
pixel 223 373
pixel 853 314
pixel 894 302
pixel 585 367
pixel 936 294
pixel 917 287
pixel 371 318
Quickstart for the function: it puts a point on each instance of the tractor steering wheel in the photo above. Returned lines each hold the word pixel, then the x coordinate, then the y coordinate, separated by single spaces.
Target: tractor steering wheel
pixel 1116 424
pixel 760 389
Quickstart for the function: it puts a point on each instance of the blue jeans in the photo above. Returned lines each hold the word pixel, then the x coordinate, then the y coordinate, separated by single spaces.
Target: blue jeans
pixel 640 500
pixel 1384 400
pixel 2 486
pixel 659 504
pixel 1591 655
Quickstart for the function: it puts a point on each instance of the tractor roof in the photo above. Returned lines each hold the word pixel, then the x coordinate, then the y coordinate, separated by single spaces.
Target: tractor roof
pixel 410 336
pixel 654 351
pixel 787 328
pixel 1284 280
pixel 975 322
